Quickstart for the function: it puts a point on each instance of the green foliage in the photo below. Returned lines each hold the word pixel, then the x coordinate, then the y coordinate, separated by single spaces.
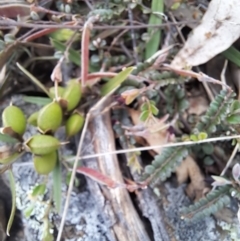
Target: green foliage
pixel 164 78
pixel 7 139
pixel 234 116
pixel 213 202
pixel 148 110
pixel 155 35
pixel 13 210
pixel 116 81
pixel 38 190
pixel 198 137
pixel 175 99
pixel 233 55
pixel 73 55
pixel 164 164
pixel 57 186
pixel 216 113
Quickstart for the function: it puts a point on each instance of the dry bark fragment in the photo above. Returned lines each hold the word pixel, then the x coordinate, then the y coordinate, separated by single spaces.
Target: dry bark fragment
pixel 115 204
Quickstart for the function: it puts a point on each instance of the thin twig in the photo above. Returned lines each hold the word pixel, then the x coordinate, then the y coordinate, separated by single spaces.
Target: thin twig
pixel 130 16
pixel 72 178
pixel 89 5
pixel 235 150
pixel 147 148
pixel 207 88
pixel 11 23
pixel 223 78
pixel 76 159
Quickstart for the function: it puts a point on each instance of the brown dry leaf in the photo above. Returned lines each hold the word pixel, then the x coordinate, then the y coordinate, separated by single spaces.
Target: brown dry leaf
pixel 187 169
pixel 152 138
pixel 197 105
pixel 190 169
pixel 220 27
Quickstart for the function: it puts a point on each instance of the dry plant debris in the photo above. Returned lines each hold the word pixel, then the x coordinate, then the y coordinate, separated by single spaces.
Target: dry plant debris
pixel 219 29
pixel 90 59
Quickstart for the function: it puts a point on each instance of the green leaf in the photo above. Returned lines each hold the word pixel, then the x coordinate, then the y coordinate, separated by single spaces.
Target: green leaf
pixel 154 109
pixel 233 119
pixel 233 55
pixel 153 45
pixel 33 79
pixel 152 102
pixel 144 115
pixel 193 137
pixel 57 186
pixel 73 55
pixel 7 139
pixel 116 81
pixel 47 235
pixel 13 191
pixel 28 211
pixel 183 104
pixel 208 148
pixel 144 106
pixel 202 136
pixel 63 35
pixel 149 169
pixel 235 107
pixel 39 190
pixel 175 6
pixel 37 100
pixel 208 161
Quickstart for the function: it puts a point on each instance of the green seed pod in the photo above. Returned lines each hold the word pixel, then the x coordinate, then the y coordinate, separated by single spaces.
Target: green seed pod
pixel 74 124
pixel 13 117
pixel 42 144
pixel 72 94
pixel 32 120
pixel 46 163
pixel 60 91
pixel 50 117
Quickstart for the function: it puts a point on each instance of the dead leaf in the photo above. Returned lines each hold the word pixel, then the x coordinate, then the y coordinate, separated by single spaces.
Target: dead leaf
pixel 109 182
pixel 220 27
pixel 159 137
pixel 98 176
pixel 197 105
pixel 189 169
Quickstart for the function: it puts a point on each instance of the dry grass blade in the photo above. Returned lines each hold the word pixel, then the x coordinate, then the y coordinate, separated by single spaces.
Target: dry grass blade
pixel 33 79
pixel 71 183
pixel 147 148
pixel 13 191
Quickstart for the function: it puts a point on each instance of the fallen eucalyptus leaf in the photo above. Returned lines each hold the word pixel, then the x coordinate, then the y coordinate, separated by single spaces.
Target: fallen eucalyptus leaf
pixel 219 29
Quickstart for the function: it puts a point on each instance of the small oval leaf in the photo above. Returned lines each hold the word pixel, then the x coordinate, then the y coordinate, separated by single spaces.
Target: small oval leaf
pixel 116 81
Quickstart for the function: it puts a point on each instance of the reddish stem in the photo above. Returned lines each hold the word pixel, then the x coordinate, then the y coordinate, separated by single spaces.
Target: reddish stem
pixel 85 52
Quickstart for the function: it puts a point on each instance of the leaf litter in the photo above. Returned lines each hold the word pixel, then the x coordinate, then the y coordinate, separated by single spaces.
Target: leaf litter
pixel 160 120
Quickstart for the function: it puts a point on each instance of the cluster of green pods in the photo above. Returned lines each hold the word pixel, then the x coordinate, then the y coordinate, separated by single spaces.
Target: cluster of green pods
pixel 48 119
